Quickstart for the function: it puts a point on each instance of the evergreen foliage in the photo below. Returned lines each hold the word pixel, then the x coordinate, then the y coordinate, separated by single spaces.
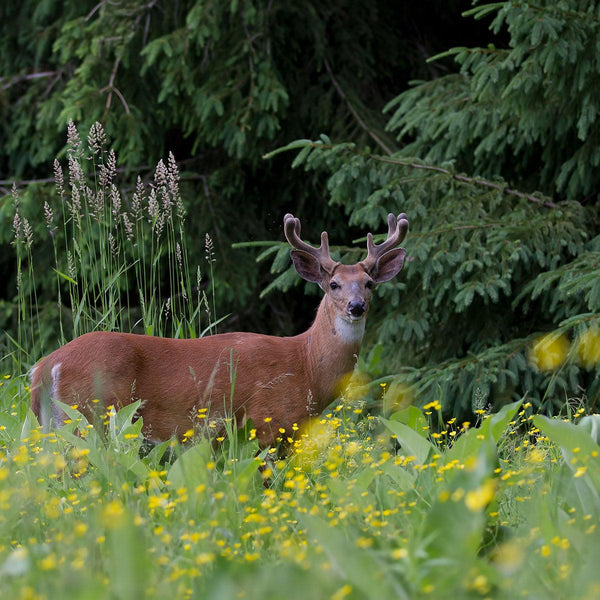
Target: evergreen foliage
pixel 216 83
pixel 221 74
pixel 493 264
pixel 491 268
pixel 527 111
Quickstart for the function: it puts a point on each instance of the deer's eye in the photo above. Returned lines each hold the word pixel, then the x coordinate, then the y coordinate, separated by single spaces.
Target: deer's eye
pixel 369 285
pixel 334 285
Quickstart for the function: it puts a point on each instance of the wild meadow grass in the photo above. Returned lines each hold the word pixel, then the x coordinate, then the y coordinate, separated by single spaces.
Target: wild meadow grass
pixel 119 258
pixel 382 502
pixel 363 507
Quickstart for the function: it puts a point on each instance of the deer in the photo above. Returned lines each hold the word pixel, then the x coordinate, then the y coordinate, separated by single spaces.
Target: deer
pixel 275 381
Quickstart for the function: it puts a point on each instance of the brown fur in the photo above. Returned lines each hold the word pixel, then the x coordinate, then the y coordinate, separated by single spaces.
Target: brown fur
pixel 283 378
pixel 243 374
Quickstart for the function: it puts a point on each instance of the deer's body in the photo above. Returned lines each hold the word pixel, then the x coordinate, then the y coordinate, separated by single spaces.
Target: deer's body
pixel 247 375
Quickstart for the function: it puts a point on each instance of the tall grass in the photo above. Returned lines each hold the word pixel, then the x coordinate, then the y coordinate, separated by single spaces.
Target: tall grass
pixel 365 507
pixel 120 259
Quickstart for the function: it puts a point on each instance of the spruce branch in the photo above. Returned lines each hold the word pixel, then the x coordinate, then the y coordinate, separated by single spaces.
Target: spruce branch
pixel 415 165
pixel 572 14
pixel 467 179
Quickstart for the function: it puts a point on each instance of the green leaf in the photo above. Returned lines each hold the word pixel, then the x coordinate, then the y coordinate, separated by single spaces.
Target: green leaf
pixel 361 568
pixel 123 419
pixel 10 424
pixel 575 441
pixel 581 456
pixel 189 470
pixel 591 423
pixel 413 444
pixel 468 444
pixel 500 420
pixel 414 418
pixel 129 561
pixel 403 478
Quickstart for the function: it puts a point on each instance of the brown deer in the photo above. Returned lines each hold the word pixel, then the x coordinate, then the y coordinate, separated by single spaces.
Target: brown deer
pixel 275 381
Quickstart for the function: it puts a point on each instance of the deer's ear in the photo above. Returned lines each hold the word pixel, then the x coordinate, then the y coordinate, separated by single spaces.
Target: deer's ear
pixel 307 266
pixel 388 265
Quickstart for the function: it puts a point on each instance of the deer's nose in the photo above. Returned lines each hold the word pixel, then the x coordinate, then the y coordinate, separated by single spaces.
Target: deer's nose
pixel 357 308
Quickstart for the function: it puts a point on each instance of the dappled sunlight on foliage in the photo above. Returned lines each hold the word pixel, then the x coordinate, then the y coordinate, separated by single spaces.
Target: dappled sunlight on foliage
pixel 396 396
pixel 588 348
pixel 550 351
pixel 353 385
pixel 314 438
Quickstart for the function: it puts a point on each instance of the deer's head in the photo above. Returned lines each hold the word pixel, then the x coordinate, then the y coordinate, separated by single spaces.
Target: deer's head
pixel 348 287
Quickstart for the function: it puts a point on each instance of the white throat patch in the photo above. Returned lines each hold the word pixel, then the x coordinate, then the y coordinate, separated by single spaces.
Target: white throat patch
pixel 350 332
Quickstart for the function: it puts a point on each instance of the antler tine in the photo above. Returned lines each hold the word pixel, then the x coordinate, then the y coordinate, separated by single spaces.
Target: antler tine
pixel 397 228
pixel 291 228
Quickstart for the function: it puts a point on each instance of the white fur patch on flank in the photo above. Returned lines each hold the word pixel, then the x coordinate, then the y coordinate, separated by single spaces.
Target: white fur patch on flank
pixel 350 332
pixel 54 373
pixel 57 414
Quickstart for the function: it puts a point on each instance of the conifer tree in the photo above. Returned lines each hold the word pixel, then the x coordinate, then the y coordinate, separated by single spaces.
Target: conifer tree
pixel 500 296
pixel 218 83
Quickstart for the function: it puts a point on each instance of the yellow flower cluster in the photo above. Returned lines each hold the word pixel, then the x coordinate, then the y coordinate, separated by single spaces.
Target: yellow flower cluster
pixel 349 493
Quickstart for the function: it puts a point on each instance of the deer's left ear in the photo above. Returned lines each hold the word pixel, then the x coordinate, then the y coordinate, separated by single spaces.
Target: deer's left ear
pixel 388 265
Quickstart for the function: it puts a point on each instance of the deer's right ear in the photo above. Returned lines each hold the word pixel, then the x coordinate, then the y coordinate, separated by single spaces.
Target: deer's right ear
pixel 307 266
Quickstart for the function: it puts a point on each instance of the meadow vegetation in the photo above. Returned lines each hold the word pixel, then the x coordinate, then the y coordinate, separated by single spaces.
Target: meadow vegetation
pixel 407 506
pixel 376 498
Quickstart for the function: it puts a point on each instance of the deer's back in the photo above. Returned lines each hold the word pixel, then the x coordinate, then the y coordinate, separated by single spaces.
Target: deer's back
pixel 251 375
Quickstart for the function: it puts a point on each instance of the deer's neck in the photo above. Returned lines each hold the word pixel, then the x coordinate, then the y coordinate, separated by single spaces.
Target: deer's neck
pixel 332 345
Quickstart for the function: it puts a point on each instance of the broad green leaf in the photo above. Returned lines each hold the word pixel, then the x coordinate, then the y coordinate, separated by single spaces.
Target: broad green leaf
pixel 591 423
pixel 500 420
pixel 361 568
pixel 413 444
pixel 402 477
pixel 123 419
pixel 467 444
pixel 572 439
pixel 189 470
pixel 129 560
pixel 97 456
pixel 246 469
pixel 581 455
pixel 364 479
pixel 10 424
pixel 130 461
pixel 414 418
